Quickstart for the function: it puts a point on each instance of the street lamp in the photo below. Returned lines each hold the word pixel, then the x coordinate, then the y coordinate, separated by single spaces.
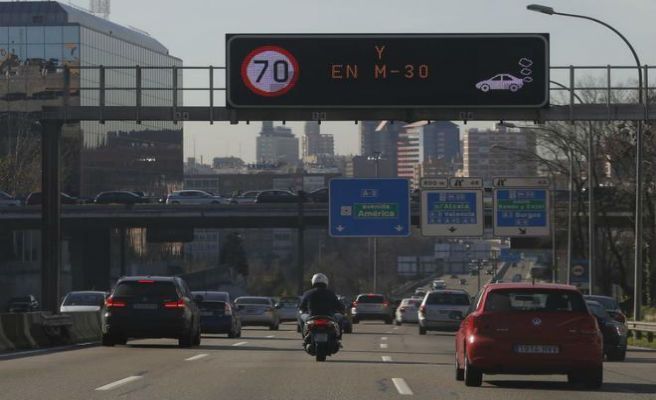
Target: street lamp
pixel 376 156
pixel 638 190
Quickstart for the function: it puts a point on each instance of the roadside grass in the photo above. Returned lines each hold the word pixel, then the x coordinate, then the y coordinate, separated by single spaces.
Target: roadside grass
pixel 643 342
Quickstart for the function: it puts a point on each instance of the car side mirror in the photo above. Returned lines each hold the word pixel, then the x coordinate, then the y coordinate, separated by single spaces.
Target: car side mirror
pixel 277 306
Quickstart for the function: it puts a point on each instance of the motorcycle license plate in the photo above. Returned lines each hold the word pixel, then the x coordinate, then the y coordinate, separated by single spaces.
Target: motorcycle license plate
pixel 321 337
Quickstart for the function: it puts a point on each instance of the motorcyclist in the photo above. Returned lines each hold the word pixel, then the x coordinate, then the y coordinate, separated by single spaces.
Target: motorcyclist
pixel 319 300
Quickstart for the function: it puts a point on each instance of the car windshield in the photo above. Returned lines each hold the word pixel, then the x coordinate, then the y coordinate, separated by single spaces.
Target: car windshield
pixel 84 299
pixel 534 300
pixel 145 288
pixel 374 299
pixel 447 299
pixel 253 300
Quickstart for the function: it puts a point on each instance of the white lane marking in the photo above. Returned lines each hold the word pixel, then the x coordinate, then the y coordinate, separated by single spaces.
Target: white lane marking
pixel 196 357
pixel 396 327
pixel 386 358
pixel 383 338
pixel 271 336
pixel 383 345
pixel 402 387
pixel 240 344
pixel 118 383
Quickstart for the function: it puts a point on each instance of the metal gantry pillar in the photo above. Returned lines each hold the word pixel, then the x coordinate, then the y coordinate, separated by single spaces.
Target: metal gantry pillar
pixel 50 213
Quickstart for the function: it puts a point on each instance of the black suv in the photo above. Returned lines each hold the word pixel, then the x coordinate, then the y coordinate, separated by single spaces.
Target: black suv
pixel 151 307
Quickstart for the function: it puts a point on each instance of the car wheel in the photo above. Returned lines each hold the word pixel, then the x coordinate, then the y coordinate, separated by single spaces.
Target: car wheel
pixel 349 329
pixel 460 372
pixel 485 88
pixel 616 355
pixel 513 88
pixel 298 328
pixel 422 330
pixel 594 379
pixel 186 340
pixel 273 327
pixel 356 321
pixel 397 322
pixel 107 340
pixel 388 321
pixel 197 338
pixel 232 335
pixel 573 378
pixel 472 375
pixel 122 341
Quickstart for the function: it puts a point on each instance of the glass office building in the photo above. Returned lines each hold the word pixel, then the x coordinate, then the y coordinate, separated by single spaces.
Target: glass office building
pixel 37 40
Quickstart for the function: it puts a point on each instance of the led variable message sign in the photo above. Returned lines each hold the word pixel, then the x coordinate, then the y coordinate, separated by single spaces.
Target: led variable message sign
pixel 345 71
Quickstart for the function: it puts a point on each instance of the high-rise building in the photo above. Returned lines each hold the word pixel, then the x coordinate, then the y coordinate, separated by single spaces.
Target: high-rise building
pixel 441 140
pixel 318 148
pixel 410 152
pixel 276 145
pixel 499 153
pixel 380 138
pixel 37 41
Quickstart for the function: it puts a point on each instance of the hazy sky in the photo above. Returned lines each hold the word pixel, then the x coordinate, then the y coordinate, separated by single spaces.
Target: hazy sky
pixel 194 31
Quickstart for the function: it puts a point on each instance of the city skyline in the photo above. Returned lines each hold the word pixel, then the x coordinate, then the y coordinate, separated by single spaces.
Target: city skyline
pixel 204 24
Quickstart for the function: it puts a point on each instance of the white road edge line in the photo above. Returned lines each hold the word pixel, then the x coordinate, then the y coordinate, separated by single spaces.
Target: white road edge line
pixel 46 350
pixel 386 358
pixel 383 345
pixel 118 383
pixel 196 357
pixel 240 344
pixel 271 336
pixel 402 387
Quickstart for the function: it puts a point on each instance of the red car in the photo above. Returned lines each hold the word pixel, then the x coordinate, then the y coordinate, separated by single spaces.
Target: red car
pixel 523 328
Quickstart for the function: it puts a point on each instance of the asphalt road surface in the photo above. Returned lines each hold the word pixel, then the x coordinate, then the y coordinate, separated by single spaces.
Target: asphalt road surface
pixel 378 362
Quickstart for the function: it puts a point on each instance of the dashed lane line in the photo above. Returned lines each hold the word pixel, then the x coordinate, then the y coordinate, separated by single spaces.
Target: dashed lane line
pixel 118 383
pixel 196 357
pixel 240 344
pixel 383 345
pixel 402 387
pixel 386 358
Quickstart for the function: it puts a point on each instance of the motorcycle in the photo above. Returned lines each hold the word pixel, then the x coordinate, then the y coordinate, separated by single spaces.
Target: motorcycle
pixel 321 336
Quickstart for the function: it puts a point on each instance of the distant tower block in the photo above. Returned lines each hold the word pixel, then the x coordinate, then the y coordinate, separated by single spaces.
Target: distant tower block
pixel 101 7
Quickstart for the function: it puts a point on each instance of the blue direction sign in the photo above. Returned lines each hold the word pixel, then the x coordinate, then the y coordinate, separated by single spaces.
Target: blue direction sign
pixel 521 212
pixel 452 213
pixel 369 207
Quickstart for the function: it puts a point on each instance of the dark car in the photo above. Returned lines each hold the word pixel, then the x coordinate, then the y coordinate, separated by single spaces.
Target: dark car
pixel 151 307
pixel 276 196
pixel 119 197
pixel 615 333
pixel 318 196
pixel 36 198
pixel 27 303
pixel 217 314
pixel 610 305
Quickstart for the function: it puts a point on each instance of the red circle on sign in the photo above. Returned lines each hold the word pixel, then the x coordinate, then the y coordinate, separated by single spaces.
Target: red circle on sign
pixel 244 71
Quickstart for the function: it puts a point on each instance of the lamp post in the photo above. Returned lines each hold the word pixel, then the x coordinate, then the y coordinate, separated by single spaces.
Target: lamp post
pixel 376 156
pixel 637 297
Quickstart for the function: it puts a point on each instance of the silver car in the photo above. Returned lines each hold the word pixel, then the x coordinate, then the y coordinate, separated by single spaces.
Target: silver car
pixel 407 311
pixel 7 201
pixel 195 197
pixel 258 311
pixel 245 198
pixel 372 307
pixel 443 310
pixel 288 308
pixel 87 301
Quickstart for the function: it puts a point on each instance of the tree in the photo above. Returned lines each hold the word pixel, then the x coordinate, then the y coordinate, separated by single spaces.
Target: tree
pixel 233 254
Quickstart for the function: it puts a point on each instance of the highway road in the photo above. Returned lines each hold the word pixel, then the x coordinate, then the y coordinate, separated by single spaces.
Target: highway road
pixel 378 362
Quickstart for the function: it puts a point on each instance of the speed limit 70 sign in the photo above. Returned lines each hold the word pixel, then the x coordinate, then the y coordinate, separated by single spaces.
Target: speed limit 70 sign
pixel 270 71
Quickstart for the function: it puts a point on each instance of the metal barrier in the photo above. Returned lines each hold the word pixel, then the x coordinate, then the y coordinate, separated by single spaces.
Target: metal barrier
pixel 638 328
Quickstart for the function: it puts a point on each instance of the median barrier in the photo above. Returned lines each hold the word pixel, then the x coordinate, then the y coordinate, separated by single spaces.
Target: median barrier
pixel 17 330
pixel 85 327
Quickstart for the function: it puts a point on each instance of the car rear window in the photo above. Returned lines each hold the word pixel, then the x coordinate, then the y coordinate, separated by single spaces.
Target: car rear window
pixel 411 302
pixel 535 300
pixel 448 299
pixel 252 300
pixel 212 305
pixel 375 299
pixel 608 304
pixel 146 289
pixel 212 296
pixel 84 299
pixel 598 310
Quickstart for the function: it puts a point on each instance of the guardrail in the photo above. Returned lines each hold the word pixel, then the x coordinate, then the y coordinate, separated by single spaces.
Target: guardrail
pixel 638 328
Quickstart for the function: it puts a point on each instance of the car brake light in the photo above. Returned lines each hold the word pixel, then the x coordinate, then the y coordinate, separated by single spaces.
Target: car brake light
pixel 146 281
pixel 227 310
pixel 175 304
pixel 619 317
pixel 112 303
pixel 386 303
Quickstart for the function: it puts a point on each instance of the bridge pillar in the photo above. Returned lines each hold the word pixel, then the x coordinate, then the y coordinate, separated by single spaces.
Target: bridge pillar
pixel 91 259
pixel 50 213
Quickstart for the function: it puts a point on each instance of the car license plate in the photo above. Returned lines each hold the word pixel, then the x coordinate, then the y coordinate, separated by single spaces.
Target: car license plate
pixel 536 349
pixel 321 337
pixel 206 313
pixel 145 306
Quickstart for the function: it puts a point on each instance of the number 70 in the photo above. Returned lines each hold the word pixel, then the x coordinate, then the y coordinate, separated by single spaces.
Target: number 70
pixel 280 70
